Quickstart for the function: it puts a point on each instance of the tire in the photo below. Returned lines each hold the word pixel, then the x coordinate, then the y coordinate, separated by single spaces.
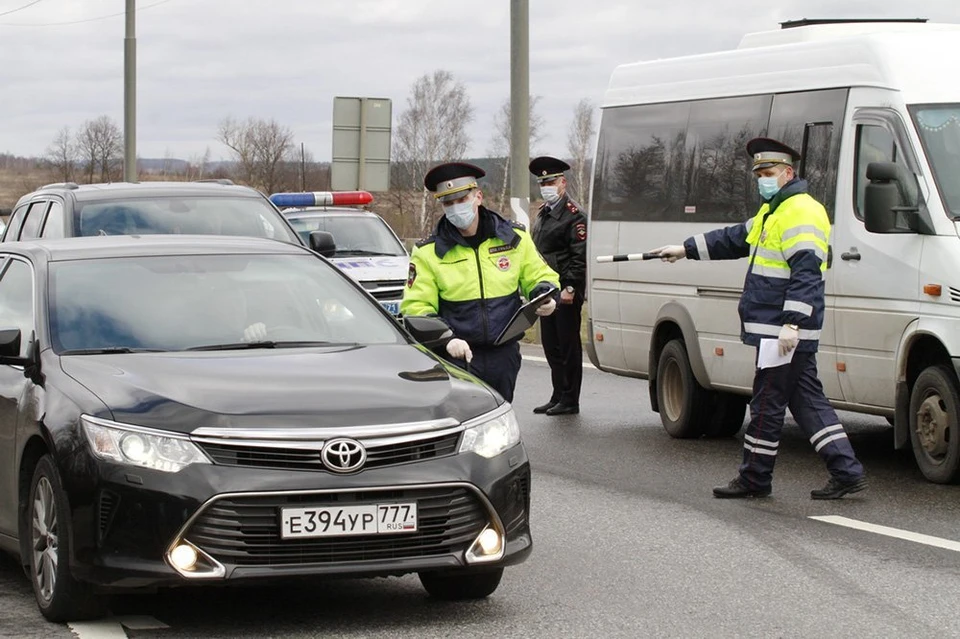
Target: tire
pixel 59 596
pixel 684 403
pixel 726 418
pixel 934 434
pixel 462 584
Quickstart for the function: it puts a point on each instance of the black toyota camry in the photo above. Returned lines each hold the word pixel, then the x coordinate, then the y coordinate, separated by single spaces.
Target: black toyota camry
pixel 183 410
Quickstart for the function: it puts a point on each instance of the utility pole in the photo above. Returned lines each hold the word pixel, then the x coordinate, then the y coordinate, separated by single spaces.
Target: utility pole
pixel 520 110
pixel 130 96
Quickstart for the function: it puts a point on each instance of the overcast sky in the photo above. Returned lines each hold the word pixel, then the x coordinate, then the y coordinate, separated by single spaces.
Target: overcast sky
pixel 202 60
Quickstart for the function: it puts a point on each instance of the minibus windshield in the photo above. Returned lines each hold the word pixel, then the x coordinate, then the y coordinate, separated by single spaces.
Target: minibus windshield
pixel 939 128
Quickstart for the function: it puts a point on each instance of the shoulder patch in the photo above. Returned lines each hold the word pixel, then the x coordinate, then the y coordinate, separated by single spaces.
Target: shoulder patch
pixel 411 274
pixel 581 231
pixel 517 225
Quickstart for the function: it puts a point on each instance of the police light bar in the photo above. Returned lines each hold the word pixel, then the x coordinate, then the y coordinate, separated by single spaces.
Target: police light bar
pixel 322 198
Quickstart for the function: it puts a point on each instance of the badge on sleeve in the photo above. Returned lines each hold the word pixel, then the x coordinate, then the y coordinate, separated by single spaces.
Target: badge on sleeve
pixel 411 275
pixel 581 230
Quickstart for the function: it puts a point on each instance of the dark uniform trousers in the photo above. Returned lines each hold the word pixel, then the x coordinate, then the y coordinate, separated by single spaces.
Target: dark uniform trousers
pixel 560 337
pixel 794 385
pixel 498 366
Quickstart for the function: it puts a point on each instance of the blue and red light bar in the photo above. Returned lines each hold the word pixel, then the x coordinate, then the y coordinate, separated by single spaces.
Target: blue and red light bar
pixel 322 198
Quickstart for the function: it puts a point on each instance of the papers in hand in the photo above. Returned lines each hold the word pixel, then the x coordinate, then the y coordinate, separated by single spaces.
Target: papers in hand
pixel 769 355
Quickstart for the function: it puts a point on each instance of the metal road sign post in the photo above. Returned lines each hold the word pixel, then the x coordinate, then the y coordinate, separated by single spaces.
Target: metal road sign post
pixel 361 144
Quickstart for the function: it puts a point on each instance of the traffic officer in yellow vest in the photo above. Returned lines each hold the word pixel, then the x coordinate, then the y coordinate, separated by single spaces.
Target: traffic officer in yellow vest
pixel 470 273
pixel 560 233
pixel 787 243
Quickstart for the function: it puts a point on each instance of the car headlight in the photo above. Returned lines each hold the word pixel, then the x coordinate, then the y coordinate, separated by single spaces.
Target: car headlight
pixel 492 437
pixel 169 452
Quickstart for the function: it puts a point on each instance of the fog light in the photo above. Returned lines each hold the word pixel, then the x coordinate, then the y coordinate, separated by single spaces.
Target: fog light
pixel 184 557
pixel 489 541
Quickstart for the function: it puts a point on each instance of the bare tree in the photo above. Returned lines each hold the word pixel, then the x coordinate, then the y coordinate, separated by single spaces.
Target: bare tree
pixel 61 155
pixel 198 164
pixel 100 143
pixel 502 138
pixel 432 129
pixel 260 148
pixel 579 145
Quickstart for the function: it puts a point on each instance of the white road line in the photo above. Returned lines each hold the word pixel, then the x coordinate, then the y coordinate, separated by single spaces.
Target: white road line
pixel 104 629
pixel 891 532
pixel 543 360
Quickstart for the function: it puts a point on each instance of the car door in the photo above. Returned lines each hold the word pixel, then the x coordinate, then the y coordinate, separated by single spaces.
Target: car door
pixel 16 311
pixel 876 276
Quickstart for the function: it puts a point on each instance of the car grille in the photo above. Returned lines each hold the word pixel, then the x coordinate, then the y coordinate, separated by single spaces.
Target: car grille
pixel 245 531
pixel 386 289
pixel 309 459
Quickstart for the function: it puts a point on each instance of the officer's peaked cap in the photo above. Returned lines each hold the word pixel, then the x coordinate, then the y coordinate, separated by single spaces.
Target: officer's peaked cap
pixel 546 168
pixel 451 180
pixel 766 152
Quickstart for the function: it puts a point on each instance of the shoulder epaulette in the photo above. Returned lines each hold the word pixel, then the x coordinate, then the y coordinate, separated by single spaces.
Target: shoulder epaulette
pixel 425 241
pixel 572 207
pixel 517 225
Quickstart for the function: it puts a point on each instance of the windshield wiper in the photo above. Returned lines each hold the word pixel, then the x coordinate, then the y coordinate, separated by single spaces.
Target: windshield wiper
pixel 111 350
pixel 239 346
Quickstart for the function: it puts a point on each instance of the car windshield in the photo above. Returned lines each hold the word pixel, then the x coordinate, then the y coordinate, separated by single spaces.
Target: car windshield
pixel 353 234
pixel 172 303
pixel 248 216
pixel 939 127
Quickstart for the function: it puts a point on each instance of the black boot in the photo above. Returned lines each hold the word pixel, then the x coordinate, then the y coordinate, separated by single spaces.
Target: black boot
pixel 539 410
pixel 563 409
pixel 738 488
pixel 835 488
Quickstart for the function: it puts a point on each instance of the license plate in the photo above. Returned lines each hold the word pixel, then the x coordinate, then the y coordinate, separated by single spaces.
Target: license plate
pixel 339 521
pixel 393 307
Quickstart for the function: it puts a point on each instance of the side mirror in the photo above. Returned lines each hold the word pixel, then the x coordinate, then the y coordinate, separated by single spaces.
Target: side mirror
pixel 432 332
pixel 890 199
pixel 10 346
pixel 322 242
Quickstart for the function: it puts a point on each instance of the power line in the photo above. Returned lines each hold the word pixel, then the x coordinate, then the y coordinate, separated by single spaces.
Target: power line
pixel 29 4
pixel 58 24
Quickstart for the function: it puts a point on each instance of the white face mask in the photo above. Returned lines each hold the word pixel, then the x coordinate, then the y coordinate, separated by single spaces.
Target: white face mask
pixel 461 214
pixel 550 194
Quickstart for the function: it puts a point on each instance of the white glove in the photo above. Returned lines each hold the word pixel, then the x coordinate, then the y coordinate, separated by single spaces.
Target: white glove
pixel 670 253
pixel 547 308
pixel 788 339
pixel 255 332
pixel 459 349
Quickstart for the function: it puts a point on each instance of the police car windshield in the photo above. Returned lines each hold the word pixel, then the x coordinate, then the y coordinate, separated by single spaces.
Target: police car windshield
pixel 353 234
pixel 167 215
pixel 184 302
pixel 939 127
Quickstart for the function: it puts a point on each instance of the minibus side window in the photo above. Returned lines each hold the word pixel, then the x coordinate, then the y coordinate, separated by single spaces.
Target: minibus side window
pixel 874 144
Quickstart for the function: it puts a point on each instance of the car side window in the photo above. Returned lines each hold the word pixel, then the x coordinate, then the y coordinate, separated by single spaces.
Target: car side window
pixel 33 221
pixel 16 221
pixel 53 227
pixel 16 301
pixel 874 144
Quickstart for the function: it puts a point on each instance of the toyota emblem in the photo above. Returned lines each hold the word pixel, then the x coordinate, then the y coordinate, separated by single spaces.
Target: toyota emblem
pixel 343 455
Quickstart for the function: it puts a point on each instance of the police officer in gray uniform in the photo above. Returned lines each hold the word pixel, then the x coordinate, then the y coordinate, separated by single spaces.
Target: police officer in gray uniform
pixel 560 233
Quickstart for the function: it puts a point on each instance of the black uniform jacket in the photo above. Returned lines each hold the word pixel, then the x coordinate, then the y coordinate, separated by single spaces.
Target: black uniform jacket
pixel 560 233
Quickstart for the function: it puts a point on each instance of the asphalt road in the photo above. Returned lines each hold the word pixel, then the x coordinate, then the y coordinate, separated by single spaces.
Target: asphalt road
pixel 628 542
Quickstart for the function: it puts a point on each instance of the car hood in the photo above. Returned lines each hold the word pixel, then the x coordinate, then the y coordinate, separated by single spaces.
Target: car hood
pixel 365 269
pixel 283 388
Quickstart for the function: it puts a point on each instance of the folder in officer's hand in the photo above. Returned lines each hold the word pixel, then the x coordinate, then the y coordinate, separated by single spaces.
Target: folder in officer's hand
pixel 525 317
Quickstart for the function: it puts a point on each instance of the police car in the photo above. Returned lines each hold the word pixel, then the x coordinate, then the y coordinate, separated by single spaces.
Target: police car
pixel 364 245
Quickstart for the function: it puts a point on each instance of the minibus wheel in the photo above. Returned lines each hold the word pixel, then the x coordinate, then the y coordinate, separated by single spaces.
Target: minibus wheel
pixel 934 405
pixel 684 403
pixel 726 418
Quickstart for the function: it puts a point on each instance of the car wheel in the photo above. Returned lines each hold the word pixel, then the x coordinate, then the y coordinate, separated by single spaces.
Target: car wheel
pixel 726 418
pixel 683 402
pixel 59 596
pixel 461 584
pixel 934 403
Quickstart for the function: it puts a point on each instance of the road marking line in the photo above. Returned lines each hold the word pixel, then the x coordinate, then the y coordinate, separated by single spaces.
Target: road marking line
pixel 104 629
pixel 891 532
pixel 534 358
